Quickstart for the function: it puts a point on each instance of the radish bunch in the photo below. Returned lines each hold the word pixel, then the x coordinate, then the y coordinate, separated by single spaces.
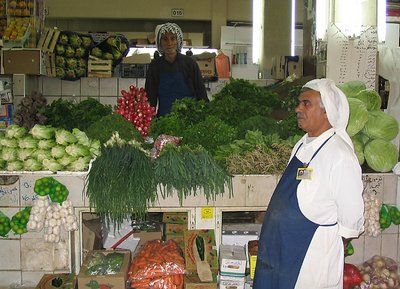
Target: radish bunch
pixel 135 108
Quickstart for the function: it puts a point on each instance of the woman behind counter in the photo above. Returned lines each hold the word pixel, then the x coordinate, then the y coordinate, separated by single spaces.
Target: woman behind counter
pixel 173 75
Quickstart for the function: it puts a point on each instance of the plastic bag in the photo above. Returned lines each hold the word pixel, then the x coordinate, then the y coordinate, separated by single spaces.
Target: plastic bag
pixel 160 143
pixel 379 272
pixel 156 266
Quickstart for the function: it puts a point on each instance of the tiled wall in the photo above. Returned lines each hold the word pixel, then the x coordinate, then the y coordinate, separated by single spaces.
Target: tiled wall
pixel 105 90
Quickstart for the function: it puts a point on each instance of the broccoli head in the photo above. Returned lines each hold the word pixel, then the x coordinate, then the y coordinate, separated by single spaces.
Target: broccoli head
pixel 69 51
pixel 75 40
pixel 72 63
pixel 60 50
pixel 60 72
pixel 60 61
pixel 96 52
pixel 63 39
pixel 86 41
pixel 80 52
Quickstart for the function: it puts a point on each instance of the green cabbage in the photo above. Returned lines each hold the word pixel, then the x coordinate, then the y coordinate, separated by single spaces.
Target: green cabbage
pixel 9 154
pixel 351 88
pixel 79 165
pixel 359 147
pixel 32 165
pixel 15 131
pixel 58 151
pixel 42 131
pixel 381 155
pixel 64 137
pixel 46 143
pixel 381 125
pixel 9 142
pixel 358 116
pixel 81 137
pixel 371 99
pixel 51 165
pixel 41 154
pixel 24 154
pixel 77 150
pixel 15 166
pixel 27 142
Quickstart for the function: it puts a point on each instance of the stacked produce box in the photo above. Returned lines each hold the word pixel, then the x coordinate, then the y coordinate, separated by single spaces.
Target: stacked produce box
pixel 175 225
pixel 24 21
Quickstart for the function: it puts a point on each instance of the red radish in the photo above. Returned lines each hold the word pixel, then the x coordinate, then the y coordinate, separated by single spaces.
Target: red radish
pixel 134 107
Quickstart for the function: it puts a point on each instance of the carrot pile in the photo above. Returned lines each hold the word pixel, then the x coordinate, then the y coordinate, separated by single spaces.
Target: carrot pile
pixel 158 264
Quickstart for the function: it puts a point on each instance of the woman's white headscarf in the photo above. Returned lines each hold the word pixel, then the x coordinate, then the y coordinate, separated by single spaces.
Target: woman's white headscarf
pixel 336 106
pixel 172 28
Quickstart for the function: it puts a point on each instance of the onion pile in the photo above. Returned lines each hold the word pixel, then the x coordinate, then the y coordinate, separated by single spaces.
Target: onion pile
pixel 134 107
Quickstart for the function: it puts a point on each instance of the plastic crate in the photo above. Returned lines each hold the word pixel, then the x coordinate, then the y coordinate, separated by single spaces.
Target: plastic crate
pixel 131 70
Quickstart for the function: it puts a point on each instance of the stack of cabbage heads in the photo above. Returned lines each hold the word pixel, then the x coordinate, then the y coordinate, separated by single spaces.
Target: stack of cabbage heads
pixel 371 129
pixel 45 148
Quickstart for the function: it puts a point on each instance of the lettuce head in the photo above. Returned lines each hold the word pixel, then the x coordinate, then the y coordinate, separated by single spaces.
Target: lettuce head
pixel 358 116
pixel 381 125
pixel 381 155
pixel 352 87
pixel 371 99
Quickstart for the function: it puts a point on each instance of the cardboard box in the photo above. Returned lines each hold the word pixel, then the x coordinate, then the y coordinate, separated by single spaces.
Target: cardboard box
pixel 142 58
pixel 175 218
pixel 231 284
pixel 206 62
pixel 115 281
pixel 239 237
pixel 192 281
pixel 284 66
pixel 210 251
pixel 179 239
pixel 57 281
pixel 134 242
pixel 22 61
pixel 232 260
pixel 175 229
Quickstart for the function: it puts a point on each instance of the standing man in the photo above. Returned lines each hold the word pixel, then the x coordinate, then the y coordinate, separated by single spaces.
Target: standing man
pixel 317 204
pixel 173 75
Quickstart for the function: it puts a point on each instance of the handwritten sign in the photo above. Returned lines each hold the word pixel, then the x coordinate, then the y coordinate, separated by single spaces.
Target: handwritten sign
pixel 9 195
pixel 352 58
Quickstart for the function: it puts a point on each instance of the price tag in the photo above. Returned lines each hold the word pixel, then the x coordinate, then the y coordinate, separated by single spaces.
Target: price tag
pixel 207 213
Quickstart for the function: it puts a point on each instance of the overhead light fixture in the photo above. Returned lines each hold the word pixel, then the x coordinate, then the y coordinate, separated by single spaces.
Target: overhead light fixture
pixel 381 22
pixel 258 31
pixel 322 16
pixel 293 29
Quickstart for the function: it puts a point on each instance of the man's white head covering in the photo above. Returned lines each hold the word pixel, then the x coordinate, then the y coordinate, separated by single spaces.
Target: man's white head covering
pixel 172 28
pixel 336 106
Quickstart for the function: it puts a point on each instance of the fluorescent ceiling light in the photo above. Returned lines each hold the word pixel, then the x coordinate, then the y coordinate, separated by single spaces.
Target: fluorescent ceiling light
pixel 258 35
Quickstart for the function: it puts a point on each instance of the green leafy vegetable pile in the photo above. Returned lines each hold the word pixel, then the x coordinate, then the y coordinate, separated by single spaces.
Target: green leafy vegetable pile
pixel 371 129
pixel 238 108
pixel 46 148
pixel 65 114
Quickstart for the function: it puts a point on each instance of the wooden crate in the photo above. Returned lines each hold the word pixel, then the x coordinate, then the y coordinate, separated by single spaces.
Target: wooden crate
pixel 99 68
pixel 48 40
pixel 47 44
pixel 50 60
